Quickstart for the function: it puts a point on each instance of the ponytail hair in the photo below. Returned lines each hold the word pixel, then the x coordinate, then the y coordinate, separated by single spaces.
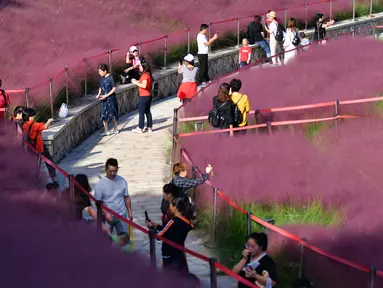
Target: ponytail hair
pixel 184 206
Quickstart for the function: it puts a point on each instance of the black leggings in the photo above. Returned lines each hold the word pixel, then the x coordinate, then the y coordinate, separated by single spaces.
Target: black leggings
pixel 51 169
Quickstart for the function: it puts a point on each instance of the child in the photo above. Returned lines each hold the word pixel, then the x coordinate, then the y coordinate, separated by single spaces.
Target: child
pixel 244 53
pixel 122 241
pixel 304 41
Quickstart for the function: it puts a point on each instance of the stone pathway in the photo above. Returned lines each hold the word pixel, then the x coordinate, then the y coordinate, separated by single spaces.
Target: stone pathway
pixel 142 158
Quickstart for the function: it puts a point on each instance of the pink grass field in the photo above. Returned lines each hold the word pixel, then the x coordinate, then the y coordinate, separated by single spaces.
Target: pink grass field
pixel 340 168
pixel 41 37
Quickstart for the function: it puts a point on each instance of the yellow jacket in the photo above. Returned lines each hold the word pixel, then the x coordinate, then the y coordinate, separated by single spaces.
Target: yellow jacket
pixel 243 105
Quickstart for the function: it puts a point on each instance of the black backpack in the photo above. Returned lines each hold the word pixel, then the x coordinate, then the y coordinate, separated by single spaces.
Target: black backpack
pixel 279 34
pixel 215 119
pixel 296 41
pixel 238 117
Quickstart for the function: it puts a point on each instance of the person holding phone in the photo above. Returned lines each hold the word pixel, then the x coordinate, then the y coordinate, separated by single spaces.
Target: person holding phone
pixel 255 265
pixel 203 51
pixel 176 230
pixel 188 87
pixel 320 28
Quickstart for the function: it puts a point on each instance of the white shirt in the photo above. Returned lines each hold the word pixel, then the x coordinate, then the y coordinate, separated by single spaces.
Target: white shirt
pixel 201 40
pixel 273 29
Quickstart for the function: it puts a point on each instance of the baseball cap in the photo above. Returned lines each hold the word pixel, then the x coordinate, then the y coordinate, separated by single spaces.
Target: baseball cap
pixel 189 58
pixel 132 49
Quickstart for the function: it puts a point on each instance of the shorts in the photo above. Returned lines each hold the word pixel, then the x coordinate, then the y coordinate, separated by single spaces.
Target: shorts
pixel 118 225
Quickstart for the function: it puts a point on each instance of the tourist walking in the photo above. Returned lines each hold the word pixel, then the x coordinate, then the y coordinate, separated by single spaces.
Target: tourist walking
pixel 144 100
pixel 320 28
pixel 304 41
pixel 188 87
pixel 108 101
pixel 33 134
pixel 203 51
pixel 275 33
pixel 222 114
pixel 256 34
pixel 133 59
pixel 292 40
pixel 112 189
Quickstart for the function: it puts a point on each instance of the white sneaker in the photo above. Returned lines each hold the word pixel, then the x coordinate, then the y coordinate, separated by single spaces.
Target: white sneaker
pixel 105 134
pixel 146 129
pixel 137 130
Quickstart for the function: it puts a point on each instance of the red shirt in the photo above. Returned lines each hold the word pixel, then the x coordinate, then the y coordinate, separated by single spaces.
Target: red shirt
pixel 4 101
pixel 244 53
pixel 147 91
pixel 35 133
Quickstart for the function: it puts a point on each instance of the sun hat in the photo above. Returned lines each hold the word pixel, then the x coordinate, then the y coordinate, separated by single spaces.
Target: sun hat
pixel 189 58
pixel 272 14
pixel 132 49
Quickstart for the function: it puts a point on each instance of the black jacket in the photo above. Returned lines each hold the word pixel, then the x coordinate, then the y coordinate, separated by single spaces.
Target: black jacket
pixel 226 112
pixel 176 230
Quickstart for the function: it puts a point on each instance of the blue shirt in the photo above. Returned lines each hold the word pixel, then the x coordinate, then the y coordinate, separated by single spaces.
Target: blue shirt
pixel 112 193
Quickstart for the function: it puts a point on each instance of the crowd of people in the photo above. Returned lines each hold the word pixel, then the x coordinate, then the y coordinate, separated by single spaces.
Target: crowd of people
pixel 230 109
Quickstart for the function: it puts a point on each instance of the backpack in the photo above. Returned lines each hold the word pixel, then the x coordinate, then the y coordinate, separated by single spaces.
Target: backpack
pixel 279 34
pixel 215 119
pixel 296 41
pixel 238 117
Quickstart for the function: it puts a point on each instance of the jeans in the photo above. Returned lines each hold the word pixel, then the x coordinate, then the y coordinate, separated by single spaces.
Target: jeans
pixel 144 104
pixel 121 227
pixel 265 46
pixel 243 64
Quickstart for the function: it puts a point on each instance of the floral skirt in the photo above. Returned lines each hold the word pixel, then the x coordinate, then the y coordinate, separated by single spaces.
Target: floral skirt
pixel 109 109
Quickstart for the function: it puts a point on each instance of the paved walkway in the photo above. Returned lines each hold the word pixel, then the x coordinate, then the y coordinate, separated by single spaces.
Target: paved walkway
pixel 142 158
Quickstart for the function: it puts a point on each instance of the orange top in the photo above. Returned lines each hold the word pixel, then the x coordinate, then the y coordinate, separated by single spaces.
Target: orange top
pixel 35 134
pixel 147 91
pixel 4 99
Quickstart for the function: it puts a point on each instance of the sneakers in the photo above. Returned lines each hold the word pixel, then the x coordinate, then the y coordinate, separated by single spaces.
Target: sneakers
pixel 140 131
pixel 116 132
pixel 137 130
pixel 105 134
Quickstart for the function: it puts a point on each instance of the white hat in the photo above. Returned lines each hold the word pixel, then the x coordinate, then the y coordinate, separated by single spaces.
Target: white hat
pixel 189 58
pixel 132 49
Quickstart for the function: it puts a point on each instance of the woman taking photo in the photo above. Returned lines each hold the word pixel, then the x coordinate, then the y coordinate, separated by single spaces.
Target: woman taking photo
pixel 320 28
pixel 188 88
pixel 176 230
pixel 291 41
pixel 33 134
pixel 145 99
pixel 222 114
pixel 108 101
pixel 255 265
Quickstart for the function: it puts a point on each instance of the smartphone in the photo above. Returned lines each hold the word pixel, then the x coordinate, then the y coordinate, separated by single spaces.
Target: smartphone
pixel 146 216
pixel 216 32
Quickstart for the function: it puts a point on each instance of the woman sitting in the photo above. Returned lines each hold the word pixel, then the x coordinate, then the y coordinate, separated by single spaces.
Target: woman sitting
pixel 255 265
pixel 176 230
pixel 188 87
